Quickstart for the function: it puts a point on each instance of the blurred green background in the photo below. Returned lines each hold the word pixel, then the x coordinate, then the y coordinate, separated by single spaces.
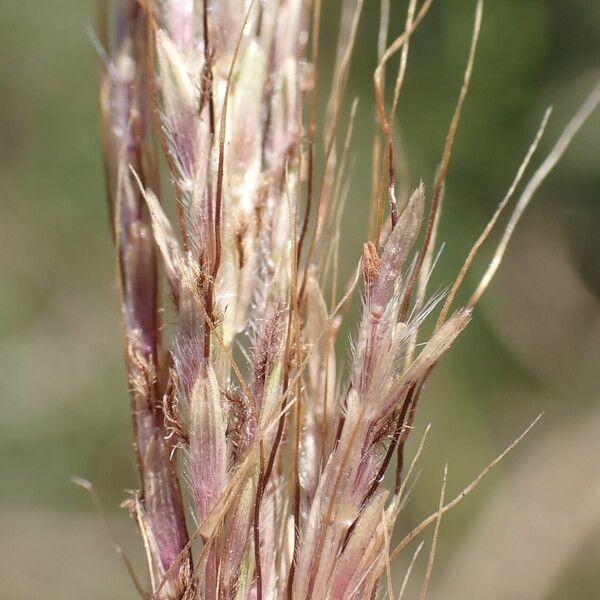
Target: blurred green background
pixel 532 529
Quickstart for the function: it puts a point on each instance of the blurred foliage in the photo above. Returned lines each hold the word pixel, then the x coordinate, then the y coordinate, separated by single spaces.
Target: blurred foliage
pixel 533 345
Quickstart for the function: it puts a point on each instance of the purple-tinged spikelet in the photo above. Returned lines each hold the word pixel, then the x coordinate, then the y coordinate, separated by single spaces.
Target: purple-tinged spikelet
pixel 125 110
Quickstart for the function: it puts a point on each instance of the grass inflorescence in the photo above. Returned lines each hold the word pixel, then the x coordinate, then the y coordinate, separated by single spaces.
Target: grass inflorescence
pixel 241 414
